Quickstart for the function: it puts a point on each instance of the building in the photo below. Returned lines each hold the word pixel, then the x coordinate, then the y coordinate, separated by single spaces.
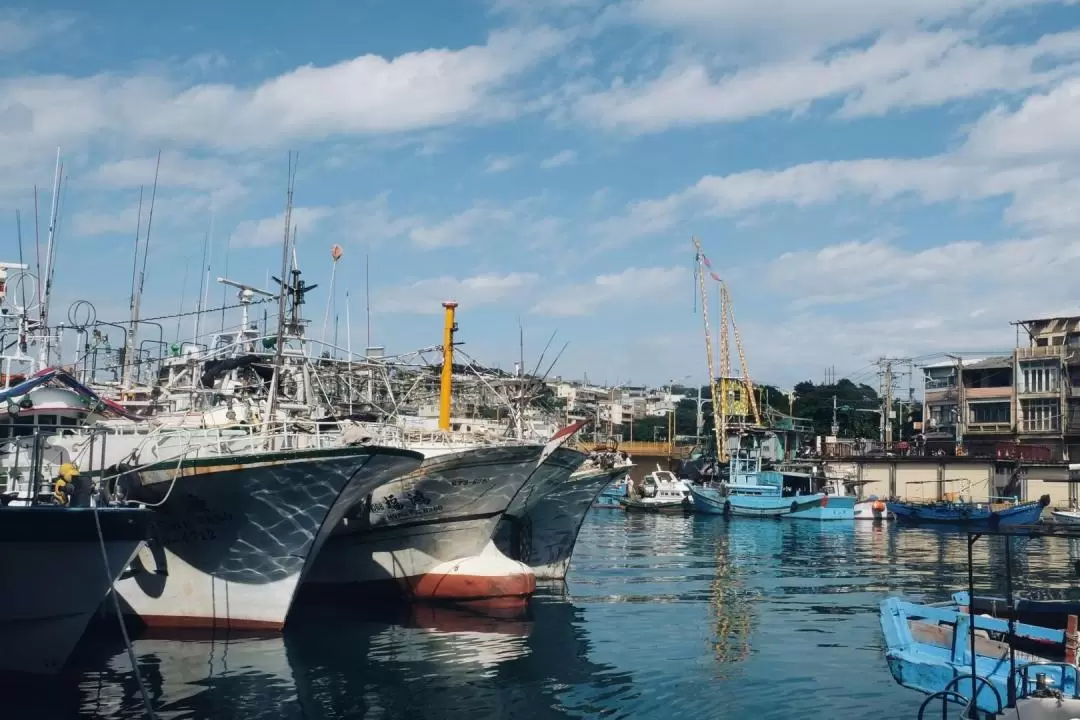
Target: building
pixel 1027 402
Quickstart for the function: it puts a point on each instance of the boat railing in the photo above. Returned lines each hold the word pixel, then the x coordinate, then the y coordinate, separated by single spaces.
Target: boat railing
pixel 1023 673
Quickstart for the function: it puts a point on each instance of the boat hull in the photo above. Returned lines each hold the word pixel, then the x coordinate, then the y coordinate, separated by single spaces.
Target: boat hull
pixel 1066 517
pixel 968 515
pixel 771 505
pixel 446 510
pixel 233 536
pixel 556 521
pixel 50 588
pixel 828 507
pixel 515 535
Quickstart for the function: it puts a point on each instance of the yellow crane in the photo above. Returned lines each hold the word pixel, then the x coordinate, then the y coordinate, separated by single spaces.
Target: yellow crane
pixel 721 410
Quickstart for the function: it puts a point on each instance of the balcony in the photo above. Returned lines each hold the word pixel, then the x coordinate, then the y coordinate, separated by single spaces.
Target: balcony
pixel 1044 352
pixel 940 432
pixel 940 396
pixel 998 428
pixel 988 393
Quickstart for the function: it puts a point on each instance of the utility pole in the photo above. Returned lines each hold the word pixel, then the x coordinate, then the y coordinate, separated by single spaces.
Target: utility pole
pixel 835 425
pixel 960 405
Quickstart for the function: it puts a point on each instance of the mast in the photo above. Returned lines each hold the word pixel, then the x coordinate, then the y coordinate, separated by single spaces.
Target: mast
pixel 447 380
pixel 146 253
pixel 280 346
pixel 129 349
pixel 46 345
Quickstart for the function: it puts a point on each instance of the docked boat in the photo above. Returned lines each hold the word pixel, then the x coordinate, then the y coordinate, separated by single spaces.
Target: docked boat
pixel 555 518
pixel 928 648
pixel 1066 517
pixel 988 515
pixel 661 492
pixel 751 491
pixel 411 536
pixel 62 546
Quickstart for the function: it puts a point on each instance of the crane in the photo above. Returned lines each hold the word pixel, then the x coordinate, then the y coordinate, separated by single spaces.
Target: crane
pixel 721 410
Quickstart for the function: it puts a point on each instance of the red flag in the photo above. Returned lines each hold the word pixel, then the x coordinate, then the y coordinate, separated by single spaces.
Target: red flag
pixel 559 438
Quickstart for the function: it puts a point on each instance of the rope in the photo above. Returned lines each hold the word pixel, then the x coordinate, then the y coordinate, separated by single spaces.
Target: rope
pixel 120 618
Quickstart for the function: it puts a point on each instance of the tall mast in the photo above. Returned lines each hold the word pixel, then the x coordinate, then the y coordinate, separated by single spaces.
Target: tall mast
pixel 142 273
pixel 130 347
pixel 46 345
pixel 280 347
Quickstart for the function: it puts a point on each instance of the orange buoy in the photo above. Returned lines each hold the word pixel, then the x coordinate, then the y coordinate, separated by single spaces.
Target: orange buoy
pixel 878 506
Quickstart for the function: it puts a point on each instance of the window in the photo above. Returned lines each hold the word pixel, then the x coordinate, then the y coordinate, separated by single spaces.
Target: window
pixel 942 415
pixel 1040 415
pixel 1039 378
pixel 989 412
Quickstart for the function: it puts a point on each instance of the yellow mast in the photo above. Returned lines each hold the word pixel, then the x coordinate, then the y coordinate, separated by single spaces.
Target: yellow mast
pixel 719 421
pixel 751 397
pixel 446 385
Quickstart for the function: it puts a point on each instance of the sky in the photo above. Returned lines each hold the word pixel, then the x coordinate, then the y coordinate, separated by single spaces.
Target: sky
pixel 890 178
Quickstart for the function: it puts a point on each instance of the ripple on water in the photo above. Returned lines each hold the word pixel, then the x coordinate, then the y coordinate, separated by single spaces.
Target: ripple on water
pixel 692 617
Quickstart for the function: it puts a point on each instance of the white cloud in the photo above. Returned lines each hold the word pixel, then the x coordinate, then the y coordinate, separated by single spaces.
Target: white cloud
pixel 88 223
pixel 425 297
pixel 271 231
pixel 845 300
pixel 796 27
pixel 371 222
pixel 563 157
pixel 633 285
pixel 897 71
pixel 20 31
pixel 368 94
pixel 1042 126
pixel 500 163
pixel 460 229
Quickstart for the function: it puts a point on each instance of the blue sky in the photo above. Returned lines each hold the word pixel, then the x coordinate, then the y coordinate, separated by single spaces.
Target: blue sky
pixel 897 177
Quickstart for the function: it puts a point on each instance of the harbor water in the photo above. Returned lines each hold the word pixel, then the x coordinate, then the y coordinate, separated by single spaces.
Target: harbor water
pixel 662 616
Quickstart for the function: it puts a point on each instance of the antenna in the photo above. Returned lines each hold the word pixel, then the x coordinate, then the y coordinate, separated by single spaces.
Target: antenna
pixel 146 254
pixel 367 299
pixel 18 232
pixel 280 346
pixel 133 307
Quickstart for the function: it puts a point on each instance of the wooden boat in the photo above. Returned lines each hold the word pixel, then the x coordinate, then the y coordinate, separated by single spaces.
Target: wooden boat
pixel 1050 613
pixel 970 514
pixel 928 648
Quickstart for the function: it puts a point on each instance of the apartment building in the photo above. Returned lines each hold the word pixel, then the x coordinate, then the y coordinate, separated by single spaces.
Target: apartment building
pixel 1030 398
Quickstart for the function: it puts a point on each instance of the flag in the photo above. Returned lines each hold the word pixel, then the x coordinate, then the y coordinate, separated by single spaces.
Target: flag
pixel 559 438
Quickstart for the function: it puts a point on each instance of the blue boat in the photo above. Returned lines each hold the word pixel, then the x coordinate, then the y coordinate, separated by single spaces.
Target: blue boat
pixel 1050 613
pixel 753 492
pixel 986 515
pixel 929 648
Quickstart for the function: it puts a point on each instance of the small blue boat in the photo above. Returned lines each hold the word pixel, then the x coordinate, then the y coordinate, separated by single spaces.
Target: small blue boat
pixel 928 648
pixel 970 514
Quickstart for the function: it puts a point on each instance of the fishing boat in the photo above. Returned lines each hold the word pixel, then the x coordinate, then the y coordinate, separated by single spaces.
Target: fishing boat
pixel 928 648
pixel 661 492
pixel 555 518
pixel 997 512
pixel 62 545
pixel 752 492
pixel 428 534
pixel 1066 517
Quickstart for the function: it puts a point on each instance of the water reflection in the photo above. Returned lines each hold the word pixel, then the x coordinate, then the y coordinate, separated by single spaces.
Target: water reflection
pixel 666 616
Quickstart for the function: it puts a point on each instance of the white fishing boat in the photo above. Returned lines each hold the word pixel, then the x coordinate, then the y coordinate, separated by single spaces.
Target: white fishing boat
pixel 661 491
pixel 1066 517
pixel 551 521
